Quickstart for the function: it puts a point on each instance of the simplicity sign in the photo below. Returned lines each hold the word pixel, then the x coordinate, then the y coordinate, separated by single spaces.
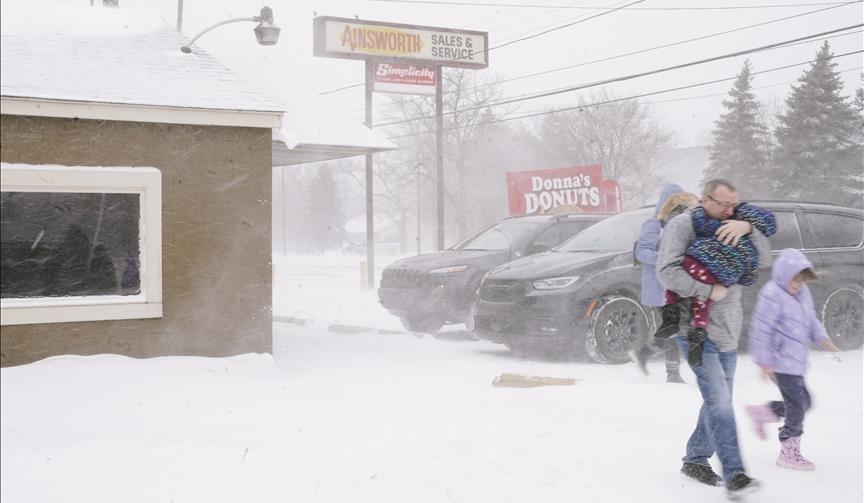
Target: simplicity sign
pixel 350 38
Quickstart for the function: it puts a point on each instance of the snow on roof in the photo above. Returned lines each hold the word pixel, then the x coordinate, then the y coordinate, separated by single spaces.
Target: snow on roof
pixel 312 131
pixel 90 54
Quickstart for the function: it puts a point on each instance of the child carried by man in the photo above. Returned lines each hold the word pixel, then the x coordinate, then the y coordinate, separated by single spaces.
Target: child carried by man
pixel 712 261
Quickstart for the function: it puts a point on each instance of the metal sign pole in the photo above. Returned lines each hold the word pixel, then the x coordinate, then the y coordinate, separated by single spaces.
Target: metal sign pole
pixel 370 225
pixel 439 155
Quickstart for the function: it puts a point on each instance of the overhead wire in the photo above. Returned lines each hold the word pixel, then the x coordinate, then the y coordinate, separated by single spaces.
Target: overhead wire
pixel 614 100
pixel 506 43
pixel 544 94
pixel 642 51
pixel 727 7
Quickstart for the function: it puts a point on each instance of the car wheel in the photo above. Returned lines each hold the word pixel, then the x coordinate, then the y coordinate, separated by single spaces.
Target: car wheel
pixel 427 323
pixel 617 325
pixel 842 316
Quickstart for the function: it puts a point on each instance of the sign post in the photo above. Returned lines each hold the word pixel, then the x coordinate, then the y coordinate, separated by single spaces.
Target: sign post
pixel 399 48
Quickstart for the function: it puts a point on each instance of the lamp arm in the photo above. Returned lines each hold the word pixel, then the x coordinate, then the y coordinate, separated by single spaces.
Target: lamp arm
pixel 188 48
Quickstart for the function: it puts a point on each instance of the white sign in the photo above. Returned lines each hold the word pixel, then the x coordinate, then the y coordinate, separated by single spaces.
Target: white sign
pixel 350 38
pixel 404 78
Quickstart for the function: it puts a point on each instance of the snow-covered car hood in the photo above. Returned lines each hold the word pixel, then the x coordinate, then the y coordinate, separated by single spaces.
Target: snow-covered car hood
pixel 549 264
pixel 448 258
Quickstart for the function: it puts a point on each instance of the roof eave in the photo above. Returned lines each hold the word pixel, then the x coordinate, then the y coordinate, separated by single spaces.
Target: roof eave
pixel 40 107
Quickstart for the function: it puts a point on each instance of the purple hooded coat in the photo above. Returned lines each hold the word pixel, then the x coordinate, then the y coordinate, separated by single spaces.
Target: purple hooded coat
pixel 785 326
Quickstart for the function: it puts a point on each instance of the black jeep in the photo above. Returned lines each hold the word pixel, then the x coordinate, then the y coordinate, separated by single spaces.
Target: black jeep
pixel 582 298
pixel 429 290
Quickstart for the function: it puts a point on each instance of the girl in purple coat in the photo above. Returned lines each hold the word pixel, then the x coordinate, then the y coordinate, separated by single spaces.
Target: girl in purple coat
pixel 783 329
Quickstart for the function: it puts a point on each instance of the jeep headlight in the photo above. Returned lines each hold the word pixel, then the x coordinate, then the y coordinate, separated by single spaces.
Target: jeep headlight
pixel 448 270
pixel 555 283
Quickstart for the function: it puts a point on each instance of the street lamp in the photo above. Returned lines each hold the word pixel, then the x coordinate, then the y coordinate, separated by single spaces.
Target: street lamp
pixel 266 32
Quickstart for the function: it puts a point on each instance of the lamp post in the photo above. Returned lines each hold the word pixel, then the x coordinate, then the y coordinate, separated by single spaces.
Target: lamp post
pixel 266 32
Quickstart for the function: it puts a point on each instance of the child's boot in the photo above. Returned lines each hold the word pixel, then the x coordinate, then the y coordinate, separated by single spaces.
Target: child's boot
pixel 761 415
pixel 790 455
pixel 673 375
pixel 670 317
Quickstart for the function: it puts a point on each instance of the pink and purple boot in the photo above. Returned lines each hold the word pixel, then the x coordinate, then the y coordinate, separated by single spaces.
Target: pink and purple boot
pixel 790 455
pixel 761 415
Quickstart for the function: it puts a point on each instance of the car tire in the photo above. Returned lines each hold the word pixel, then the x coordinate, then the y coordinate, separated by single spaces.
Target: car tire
pixel 425 323
pixel 843 317
pixel 618 324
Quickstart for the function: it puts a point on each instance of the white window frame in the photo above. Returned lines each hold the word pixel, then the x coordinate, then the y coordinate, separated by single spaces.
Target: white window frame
pixel 145 181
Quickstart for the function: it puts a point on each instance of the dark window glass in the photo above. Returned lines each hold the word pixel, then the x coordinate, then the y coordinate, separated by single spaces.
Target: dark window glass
pixel 788 234
pixel 834 231
pixel 57 244
pixel 560 232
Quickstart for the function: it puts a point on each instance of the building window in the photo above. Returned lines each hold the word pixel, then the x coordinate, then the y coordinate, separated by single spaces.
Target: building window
pixel 80 244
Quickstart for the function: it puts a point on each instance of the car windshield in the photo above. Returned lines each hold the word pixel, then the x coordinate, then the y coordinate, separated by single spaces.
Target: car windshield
pixel 501 236
pixel 616 233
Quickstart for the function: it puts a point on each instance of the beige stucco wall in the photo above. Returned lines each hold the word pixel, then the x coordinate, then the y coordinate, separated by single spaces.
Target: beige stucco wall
pixel 216 192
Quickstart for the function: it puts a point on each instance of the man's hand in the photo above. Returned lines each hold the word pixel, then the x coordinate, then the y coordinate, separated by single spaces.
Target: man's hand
pixel 827 345
pixel 718 292
pixel 730 231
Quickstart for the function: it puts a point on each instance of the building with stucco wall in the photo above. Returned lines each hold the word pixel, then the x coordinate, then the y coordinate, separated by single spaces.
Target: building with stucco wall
pixel 136 190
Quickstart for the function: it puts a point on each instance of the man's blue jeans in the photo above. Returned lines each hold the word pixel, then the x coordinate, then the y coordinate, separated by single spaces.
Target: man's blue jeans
pixel 715 430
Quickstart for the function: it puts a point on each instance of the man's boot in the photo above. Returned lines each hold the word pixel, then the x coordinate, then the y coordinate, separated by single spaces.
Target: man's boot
pixel 790 455
pixel 670 317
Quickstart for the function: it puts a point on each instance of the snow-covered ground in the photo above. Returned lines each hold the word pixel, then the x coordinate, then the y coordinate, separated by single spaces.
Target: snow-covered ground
pixel 388 416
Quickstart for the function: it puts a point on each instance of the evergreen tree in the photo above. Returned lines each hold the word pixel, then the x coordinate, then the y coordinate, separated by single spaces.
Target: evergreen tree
pixel 740 149
pixel 819 140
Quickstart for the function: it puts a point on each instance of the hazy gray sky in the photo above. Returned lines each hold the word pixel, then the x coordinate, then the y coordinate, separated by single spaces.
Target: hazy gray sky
pixel 290 71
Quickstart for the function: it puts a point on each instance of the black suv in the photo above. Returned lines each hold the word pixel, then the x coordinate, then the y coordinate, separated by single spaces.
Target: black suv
pixel 429 290
pixel 582 298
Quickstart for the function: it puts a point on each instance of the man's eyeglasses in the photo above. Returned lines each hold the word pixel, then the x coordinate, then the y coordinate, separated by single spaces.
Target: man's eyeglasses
pixel 724 204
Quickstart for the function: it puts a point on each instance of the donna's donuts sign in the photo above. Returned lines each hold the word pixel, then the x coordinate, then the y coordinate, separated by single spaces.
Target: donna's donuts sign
pixel 577 189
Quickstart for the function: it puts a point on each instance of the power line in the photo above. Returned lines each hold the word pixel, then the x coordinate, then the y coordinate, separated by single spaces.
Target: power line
pixel 785 46
pixel 516 40
pixel 552 70
pixel 714 95
pixel 690 98
pixel 729 7
pixel 641 51
pixel 545 94
pixel 652 93
pixel 561 27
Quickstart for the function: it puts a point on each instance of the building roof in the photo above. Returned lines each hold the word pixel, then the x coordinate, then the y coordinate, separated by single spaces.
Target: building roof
pixel 102 58
pixel 75 61
pixel 312 132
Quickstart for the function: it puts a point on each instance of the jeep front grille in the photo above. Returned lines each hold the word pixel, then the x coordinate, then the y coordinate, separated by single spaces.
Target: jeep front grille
pixel 404 278
pixel 502 290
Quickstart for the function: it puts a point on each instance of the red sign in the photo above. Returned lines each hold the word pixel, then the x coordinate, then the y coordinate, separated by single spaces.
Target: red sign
pixel 404 78
pixel 578 189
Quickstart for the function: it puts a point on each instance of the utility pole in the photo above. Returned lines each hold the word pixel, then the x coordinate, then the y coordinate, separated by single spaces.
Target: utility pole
pixel 439 156
pixel 370 221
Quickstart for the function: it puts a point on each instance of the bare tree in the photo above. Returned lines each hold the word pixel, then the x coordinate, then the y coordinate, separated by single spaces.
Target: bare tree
pixel 469 126
pixel 619 134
